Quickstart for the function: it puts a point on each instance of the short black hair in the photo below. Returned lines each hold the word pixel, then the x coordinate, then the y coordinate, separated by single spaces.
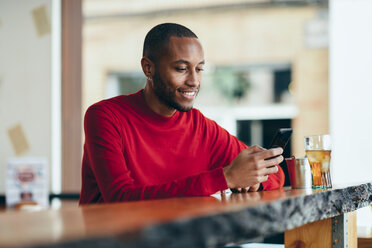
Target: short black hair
pixel 157 39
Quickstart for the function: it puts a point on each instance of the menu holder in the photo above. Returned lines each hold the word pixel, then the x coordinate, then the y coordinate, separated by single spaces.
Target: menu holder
pixel 27 183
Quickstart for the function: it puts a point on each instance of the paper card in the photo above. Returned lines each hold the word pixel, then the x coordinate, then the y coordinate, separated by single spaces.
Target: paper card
pixel 41 21
pixel 18 139
pixel 27 182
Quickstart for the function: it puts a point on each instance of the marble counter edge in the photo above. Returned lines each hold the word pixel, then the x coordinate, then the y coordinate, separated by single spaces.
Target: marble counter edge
pixel 251 222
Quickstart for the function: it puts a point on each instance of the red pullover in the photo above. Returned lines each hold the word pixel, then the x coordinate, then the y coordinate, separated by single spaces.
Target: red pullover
pixel 133 153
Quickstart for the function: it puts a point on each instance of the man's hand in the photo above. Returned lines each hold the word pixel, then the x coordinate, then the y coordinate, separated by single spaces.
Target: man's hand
pixel 250 168
pixel 253 188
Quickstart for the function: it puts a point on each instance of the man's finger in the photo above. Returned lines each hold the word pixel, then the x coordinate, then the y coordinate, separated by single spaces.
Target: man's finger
pixel 267 171
pixel 263 164
pixel 267 154
pixel 244 190
pixel 254 187
pixel 272 170
pixel 262 179
pixel 273 161
pixel 254 149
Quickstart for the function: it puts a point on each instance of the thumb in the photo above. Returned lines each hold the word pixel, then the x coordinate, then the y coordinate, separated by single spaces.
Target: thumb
pixel 254 188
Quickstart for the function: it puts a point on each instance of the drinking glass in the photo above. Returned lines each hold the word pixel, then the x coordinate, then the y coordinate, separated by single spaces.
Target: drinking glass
pixel 318 151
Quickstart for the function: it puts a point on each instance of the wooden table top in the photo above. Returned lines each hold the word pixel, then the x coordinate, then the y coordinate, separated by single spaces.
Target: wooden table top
pixel 133 221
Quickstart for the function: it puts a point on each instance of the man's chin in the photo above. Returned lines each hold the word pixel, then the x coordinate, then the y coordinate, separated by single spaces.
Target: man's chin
pixel 184 108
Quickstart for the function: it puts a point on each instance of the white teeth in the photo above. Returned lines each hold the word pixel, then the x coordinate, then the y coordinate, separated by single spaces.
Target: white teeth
pixel 189 93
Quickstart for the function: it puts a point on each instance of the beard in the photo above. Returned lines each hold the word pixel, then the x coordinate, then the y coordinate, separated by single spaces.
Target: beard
pixel 167 95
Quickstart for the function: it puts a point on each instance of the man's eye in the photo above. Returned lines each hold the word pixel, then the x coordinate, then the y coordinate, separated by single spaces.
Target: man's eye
pixel 180 69
pixel 199 69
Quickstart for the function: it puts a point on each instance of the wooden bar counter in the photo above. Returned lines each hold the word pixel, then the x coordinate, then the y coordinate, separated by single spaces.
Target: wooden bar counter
pixel 309 218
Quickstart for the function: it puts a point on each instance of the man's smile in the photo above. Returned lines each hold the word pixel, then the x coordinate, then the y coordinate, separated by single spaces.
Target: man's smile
pixel 189 94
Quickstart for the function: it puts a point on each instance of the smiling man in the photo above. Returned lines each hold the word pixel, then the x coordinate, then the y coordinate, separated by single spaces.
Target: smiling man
pixel 154 144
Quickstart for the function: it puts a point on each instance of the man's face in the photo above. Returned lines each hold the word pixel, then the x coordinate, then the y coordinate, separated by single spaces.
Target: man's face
pixel 178 74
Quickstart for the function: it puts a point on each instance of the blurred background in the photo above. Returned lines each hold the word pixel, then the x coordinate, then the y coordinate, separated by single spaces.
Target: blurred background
pixel 302 64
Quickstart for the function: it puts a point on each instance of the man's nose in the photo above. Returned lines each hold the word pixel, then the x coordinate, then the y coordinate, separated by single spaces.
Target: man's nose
pixel 193 79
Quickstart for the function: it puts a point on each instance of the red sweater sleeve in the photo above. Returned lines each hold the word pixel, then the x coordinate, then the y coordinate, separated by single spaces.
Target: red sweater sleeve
pixel 227 149
pixel 104 149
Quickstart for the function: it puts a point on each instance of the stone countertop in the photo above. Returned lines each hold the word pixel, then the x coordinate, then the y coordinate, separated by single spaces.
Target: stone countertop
pixel 235 218
pixel 296 208
pixel 181 222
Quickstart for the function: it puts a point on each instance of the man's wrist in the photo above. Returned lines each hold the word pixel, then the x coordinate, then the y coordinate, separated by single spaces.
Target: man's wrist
pixel 227 176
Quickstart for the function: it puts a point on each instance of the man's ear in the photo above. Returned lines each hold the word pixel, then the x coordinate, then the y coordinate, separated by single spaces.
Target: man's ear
pixel 148 67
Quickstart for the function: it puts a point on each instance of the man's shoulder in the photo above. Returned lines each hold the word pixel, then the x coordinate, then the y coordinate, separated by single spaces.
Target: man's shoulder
pixel 115 107
pixel 122 99
pixel 121 102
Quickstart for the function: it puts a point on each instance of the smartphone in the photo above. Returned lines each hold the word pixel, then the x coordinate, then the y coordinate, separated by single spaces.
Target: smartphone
pixel 280 139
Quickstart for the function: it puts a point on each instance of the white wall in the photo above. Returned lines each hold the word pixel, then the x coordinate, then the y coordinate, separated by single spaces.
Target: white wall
pixel 351 90
pixel 25 80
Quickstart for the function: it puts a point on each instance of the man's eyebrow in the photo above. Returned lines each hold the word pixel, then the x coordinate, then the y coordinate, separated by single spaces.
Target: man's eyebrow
pixel 182 61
